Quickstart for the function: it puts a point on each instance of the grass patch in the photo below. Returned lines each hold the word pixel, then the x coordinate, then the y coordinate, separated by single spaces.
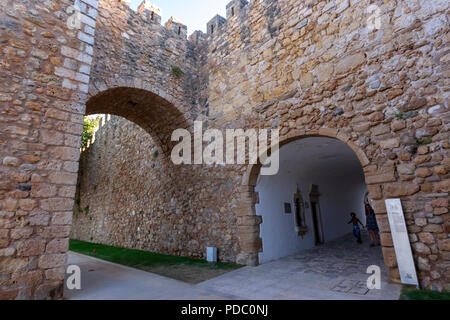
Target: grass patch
pixel 176 71
pixel 409 293
pixel 180 268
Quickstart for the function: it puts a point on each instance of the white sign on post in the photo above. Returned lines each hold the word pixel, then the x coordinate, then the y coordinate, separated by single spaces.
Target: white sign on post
pixel 402 245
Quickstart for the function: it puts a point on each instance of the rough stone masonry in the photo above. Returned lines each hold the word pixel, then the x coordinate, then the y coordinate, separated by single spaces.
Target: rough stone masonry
pixel 310 68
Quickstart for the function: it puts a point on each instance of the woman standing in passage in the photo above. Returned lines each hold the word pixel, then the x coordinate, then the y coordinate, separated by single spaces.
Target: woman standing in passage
pixel 372 226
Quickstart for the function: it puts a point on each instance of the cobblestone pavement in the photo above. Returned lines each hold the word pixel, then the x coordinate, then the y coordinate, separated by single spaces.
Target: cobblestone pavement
pixel 335 271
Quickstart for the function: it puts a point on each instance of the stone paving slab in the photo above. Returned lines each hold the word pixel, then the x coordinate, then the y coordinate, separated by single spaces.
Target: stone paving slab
pixel 336 270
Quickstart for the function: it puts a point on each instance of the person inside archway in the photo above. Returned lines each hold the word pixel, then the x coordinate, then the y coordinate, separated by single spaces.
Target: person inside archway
pixel 372 226
pixel 356 230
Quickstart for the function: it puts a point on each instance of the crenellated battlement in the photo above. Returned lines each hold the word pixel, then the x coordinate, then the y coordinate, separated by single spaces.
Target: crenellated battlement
pixel 197 37
pixel 237 12
pixel 235 8
pixel 241 14
pixel 247 19
pixel 177 26
pixel 214 26
pixel 151 14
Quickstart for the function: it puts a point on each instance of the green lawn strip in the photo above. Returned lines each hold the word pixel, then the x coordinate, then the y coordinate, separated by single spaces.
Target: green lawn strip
pixel 142 259
pixel 409 293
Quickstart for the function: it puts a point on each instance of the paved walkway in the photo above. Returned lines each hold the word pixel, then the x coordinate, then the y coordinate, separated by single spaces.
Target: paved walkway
pixel 102 280
pixel 335 271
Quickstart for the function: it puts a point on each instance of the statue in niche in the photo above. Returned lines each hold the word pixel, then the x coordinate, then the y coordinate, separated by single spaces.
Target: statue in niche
pixel 300 222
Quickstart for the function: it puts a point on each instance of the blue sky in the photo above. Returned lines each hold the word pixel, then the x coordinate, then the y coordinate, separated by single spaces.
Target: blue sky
pixel 195 13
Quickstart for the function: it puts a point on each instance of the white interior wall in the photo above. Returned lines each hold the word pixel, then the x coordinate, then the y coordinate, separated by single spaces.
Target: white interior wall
pixel 332 166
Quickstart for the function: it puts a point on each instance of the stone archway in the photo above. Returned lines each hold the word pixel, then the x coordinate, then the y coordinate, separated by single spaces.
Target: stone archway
pixel 131 180
pixel 152 112
pixel 249 222
pixel 99 86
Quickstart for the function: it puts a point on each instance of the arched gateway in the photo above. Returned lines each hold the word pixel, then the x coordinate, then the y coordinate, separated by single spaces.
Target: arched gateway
pixel 251 197
pixel 250 220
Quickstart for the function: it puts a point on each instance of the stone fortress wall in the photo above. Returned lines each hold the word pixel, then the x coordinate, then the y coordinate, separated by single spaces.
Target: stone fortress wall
pixel 310 68
pixel 315 68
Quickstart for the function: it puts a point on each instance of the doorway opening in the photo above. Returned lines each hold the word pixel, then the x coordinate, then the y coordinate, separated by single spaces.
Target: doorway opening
pixel 327 174
pixel 314 196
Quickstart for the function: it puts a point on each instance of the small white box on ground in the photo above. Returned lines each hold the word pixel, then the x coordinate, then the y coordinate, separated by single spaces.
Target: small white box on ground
pixel 211 254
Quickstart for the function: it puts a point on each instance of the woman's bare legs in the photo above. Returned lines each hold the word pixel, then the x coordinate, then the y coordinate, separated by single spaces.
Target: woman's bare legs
pixel 377 236
pixel 372 237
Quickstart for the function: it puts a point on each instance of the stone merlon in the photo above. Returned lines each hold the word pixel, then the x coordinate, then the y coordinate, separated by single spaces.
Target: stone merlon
pixel 197 36
pixel 215 24
pixel 151 12
pixel 235 7
pixel 177 26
